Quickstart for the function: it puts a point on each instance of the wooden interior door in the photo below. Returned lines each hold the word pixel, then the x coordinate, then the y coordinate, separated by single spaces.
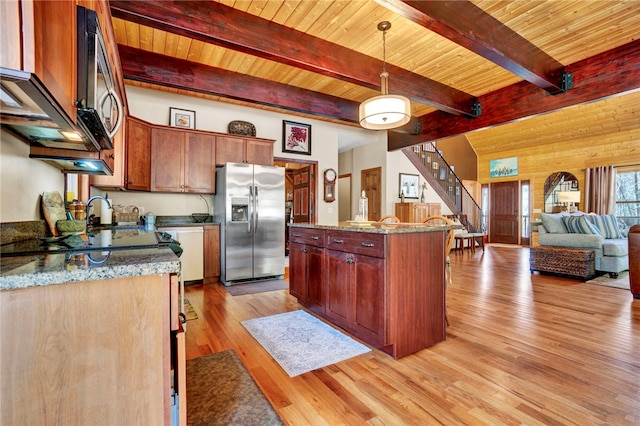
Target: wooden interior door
pixel 503 213
pixel 371 182
pixel 302 195
pixel 344 198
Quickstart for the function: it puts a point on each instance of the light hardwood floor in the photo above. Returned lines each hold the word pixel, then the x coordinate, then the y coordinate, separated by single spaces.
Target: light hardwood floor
pixel 521 349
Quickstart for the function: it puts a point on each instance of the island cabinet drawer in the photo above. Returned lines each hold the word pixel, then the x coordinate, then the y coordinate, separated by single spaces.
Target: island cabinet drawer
pixel 356 242
pixel 311 237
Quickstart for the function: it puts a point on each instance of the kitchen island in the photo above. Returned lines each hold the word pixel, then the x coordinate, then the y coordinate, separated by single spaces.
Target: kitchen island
pixel 91 336
pixel 383 283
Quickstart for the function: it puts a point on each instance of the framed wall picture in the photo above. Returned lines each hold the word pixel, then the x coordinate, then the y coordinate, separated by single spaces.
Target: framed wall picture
pixel 443 173
pixel 296 137
pixel 182 118
pixel 503 167
pixel 409 185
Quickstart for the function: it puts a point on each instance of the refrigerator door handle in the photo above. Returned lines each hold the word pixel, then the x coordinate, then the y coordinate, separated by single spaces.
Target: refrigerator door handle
pixel 250 229
pixel 255 208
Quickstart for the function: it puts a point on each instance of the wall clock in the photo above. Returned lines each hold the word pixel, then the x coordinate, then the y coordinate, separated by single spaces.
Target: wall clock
pixel 330 176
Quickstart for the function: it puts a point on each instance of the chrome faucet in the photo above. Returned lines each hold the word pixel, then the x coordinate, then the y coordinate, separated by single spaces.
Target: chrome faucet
pixel 88 205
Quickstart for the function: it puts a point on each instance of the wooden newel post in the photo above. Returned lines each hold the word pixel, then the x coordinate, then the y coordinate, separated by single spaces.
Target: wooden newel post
pixel 634 260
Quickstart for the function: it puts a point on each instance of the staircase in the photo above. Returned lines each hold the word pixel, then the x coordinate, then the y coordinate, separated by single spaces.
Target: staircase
pixel 437 172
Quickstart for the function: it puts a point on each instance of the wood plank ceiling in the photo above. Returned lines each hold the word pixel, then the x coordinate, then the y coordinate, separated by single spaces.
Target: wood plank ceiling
pixel 322 58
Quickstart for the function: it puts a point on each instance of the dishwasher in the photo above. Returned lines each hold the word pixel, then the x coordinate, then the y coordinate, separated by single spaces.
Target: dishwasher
pixel 191 241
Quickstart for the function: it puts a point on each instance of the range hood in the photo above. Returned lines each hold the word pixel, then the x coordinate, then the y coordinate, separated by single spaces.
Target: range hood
pixel 29 112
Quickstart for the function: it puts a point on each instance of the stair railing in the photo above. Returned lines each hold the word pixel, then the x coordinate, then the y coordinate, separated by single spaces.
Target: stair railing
pixel 442 178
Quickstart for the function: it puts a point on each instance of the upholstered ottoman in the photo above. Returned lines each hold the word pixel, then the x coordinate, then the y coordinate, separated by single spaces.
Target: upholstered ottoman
pixel 574 262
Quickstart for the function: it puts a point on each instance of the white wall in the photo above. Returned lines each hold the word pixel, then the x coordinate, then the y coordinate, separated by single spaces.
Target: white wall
pixel 23 180
pixel 153 106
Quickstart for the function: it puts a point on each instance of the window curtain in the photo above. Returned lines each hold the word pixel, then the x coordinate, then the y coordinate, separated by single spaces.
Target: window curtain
pixel 600 190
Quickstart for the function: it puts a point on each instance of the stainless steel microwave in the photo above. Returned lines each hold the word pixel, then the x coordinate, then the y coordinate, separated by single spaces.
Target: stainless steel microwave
pixel 98 105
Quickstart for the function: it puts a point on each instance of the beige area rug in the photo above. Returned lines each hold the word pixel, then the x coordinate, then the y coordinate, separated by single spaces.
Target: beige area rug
pixel 221 391
pixel 621 282
pixel 257 287
pixel 300 342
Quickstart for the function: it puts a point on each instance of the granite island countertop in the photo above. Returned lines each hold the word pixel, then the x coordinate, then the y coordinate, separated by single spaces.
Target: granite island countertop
pixel 46 269
pixel 377 227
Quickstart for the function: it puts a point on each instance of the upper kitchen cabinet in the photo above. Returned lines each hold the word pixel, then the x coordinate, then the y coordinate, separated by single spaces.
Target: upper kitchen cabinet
pixel 132 154
pixel 182 161
pixel 138 157
pixel 234 149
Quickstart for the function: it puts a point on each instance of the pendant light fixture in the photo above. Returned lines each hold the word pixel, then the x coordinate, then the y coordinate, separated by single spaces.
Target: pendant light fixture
pixel 385 111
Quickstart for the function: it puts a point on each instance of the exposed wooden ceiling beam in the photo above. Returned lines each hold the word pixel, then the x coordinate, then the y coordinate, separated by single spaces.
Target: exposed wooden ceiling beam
pixel 152 68
pixel 215 23
pixel 469 26
pixel 610 73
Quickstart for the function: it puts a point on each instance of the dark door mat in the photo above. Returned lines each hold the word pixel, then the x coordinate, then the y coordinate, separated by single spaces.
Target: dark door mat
pixel 257 287
pixel 220 391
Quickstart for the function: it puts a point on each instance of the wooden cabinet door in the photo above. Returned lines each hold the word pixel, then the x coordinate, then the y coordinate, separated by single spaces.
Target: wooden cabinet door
pixel 305 276
pixel 211 253
pixel 229 150
pixel 402 211
pixel 420 212
pixel 199 163
pixel 55 50
pixel 434 209
pixel 298 271
pixel 138 164
pixel 338 272
pixel 368 299
pixel 315 283
pixel 259 152
pixel 167 160
pixel 11 33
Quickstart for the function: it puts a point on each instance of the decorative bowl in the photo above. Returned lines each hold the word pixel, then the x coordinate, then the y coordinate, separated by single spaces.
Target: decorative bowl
pixel 66 227
pixel 200 217
pixel 238 127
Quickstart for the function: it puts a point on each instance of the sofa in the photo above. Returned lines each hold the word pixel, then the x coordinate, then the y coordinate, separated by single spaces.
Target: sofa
pixel 603 233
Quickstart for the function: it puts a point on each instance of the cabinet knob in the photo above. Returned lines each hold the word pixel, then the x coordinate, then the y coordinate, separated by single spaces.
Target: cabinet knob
pixel 315 237
pixel 305 250
pixel 338 241
pixel 367 244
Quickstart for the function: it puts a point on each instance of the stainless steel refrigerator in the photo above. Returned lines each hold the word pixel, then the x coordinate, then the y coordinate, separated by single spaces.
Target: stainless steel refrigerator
pixel 249 205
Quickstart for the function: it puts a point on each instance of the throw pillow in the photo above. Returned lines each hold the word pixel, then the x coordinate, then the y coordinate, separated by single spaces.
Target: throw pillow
pixel 623 227
pixel 553 223
pixel 607 224
pixel 580 225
